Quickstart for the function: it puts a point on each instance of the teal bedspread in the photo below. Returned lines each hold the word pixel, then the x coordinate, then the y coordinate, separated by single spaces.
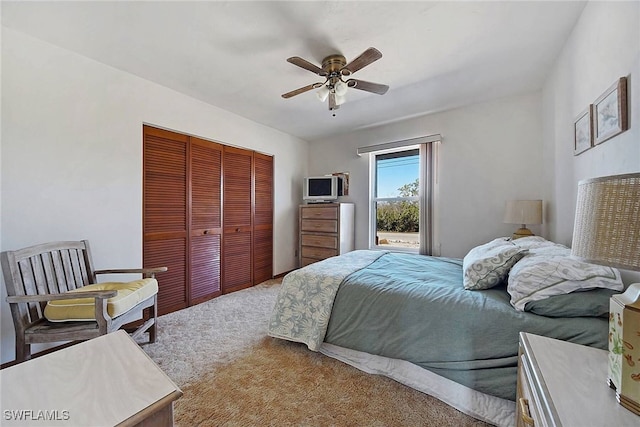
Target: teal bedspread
pixel 415 308
pixel 305 300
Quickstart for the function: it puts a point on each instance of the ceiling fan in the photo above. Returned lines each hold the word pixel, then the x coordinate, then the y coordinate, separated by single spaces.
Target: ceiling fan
pixel 334 68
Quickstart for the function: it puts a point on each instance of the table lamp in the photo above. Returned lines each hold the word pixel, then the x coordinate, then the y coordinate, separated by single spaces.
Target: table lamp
pixel 523 212
pixel 607 231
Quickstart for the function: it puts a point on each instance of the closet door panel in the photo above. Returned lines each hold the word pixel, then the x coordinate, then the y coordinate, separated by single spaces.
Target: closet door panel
pixel 263 218
pixel 237 214
pixel 237 261
pixel 165 175
pixel 205 267
pixel 206 219
pixel 165 217
pixel 237 187
pixel 262 255
pixel 206 185
pixel 171 253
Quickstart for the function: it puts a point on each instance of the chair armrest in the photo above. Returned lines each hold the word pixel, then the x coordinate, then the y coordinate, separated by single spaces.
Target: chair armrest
pixel 146 272
pixel 54 297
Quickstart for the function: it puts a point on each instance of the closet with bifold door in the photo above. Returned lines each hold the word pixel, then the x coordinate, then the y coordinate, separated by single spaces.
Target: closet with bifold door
pixel 262 218
pixel 207 215
pixel 238 231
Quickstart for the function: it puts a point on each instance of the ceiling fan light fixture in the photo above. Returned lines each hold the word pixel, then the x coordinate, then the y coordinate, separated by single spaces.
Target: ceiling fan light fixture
pixel 323 93
pixel 340 88
pixel 334 69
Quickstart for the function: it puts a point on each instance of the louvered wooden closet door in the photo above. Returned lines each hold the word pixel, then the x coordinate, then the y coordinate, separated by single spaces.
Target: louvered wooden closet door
pixel 206 220
pixel 237 202
pixel 263 218
pixel 165 213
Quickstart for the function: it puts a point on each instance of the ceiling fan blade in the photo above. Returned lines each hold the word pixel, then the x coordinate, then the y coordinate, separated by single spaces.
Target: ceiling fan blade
pixel 302 90
pixel 332 102
pixel 367 57
pixel 303 63
pixel 378 88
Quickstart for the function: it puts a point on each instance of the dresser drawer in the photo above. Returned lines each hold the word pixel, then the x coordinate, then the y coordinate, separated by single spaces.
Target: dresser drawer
pixel 527 412
pixel 320 241
pixel 306 261
pixel 325 226
pixel 315 212
pixel 317 253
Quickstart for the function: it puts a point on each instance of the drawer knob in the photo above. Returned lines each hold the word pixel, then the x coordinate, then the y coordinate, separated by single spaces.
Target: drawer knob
pixel 524 412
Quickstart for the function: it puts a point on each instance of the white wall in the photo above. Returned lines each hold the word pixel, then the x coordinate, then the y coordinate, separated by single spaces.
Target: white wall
pixel 490 153
pixel 604 46
pixel 72 155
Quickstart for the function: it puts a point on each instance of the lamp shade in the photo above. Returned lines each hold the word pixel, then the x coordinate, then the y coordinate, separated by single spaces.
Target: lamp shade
pixel 341 88
pixel 323 93
pixel 523 212
pixel 607 231
pixel 607 222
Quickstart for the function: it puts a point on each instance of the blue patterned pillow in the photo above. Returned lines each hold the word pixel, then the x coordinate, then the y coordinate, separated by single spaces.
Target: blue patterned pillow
pixel 488 265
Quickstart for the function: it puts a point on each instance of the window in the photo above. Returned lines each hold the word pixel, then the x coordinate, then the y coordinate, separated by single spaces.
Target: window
pixel 402 194
pixel 396 200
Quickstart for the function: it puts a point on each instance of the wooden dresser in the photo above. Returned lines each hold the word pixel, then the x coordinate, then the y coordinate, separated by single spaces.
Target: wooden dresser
pixel 565 384
pixel 326 230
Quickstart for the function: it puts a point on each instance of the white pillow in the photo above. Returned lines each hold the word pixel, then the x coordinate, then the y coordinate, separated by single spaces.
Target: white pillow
pixel 487 265
pixel 539 246
pixel 535 242
pixel 552 271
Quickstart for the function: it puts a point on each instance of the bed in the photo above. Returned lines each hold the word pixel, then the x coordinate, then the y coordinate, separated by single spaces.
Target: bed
pixel 448 327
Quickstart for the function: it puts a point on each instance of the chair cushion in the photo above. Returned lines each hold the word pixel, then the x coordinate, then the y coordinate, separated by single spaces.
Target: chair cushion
pixel 129 295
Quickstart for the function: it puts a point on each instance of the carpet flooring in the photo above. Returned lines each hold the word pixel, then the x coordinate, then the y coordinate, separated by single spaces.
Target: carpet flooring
pixel 233 374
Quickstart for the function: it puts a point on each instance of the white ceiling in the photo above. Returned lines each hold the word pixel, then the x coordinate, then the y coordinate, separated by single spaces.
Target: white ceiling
pixel 436 55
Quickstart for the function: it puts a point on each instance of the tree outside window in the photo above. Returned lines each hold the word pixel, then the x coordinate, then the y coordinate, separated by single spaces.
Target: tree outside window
pixel 396 201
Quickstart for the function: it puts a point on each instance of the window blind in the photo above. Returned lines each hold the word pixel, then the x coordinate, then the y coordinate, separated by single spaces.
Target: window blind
pixel 399 144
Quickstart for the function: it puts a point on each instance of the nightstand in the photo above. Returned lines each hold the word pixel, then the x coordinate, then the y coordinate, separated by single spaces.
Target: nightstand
pixel 565 384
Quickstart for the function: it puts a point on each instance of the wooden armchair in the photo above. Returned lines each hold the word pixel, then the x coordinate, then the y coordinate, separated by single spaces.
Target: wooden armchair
pixel 62 273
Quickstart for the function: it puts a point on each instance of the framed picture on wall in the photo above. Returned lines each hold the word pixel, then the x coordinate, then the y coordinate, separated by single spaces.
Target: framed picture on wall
pixel 610 112
pixel 583 131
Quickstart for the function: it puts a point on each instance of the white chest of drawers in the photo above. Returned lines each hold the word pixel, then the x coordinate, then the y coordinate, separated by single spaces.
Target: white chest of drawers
pixel 565 384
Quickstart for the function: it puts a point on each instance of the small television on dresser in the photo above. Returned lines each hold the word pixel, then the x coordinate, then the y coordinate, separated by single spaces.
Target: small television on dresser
pixel 318 189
